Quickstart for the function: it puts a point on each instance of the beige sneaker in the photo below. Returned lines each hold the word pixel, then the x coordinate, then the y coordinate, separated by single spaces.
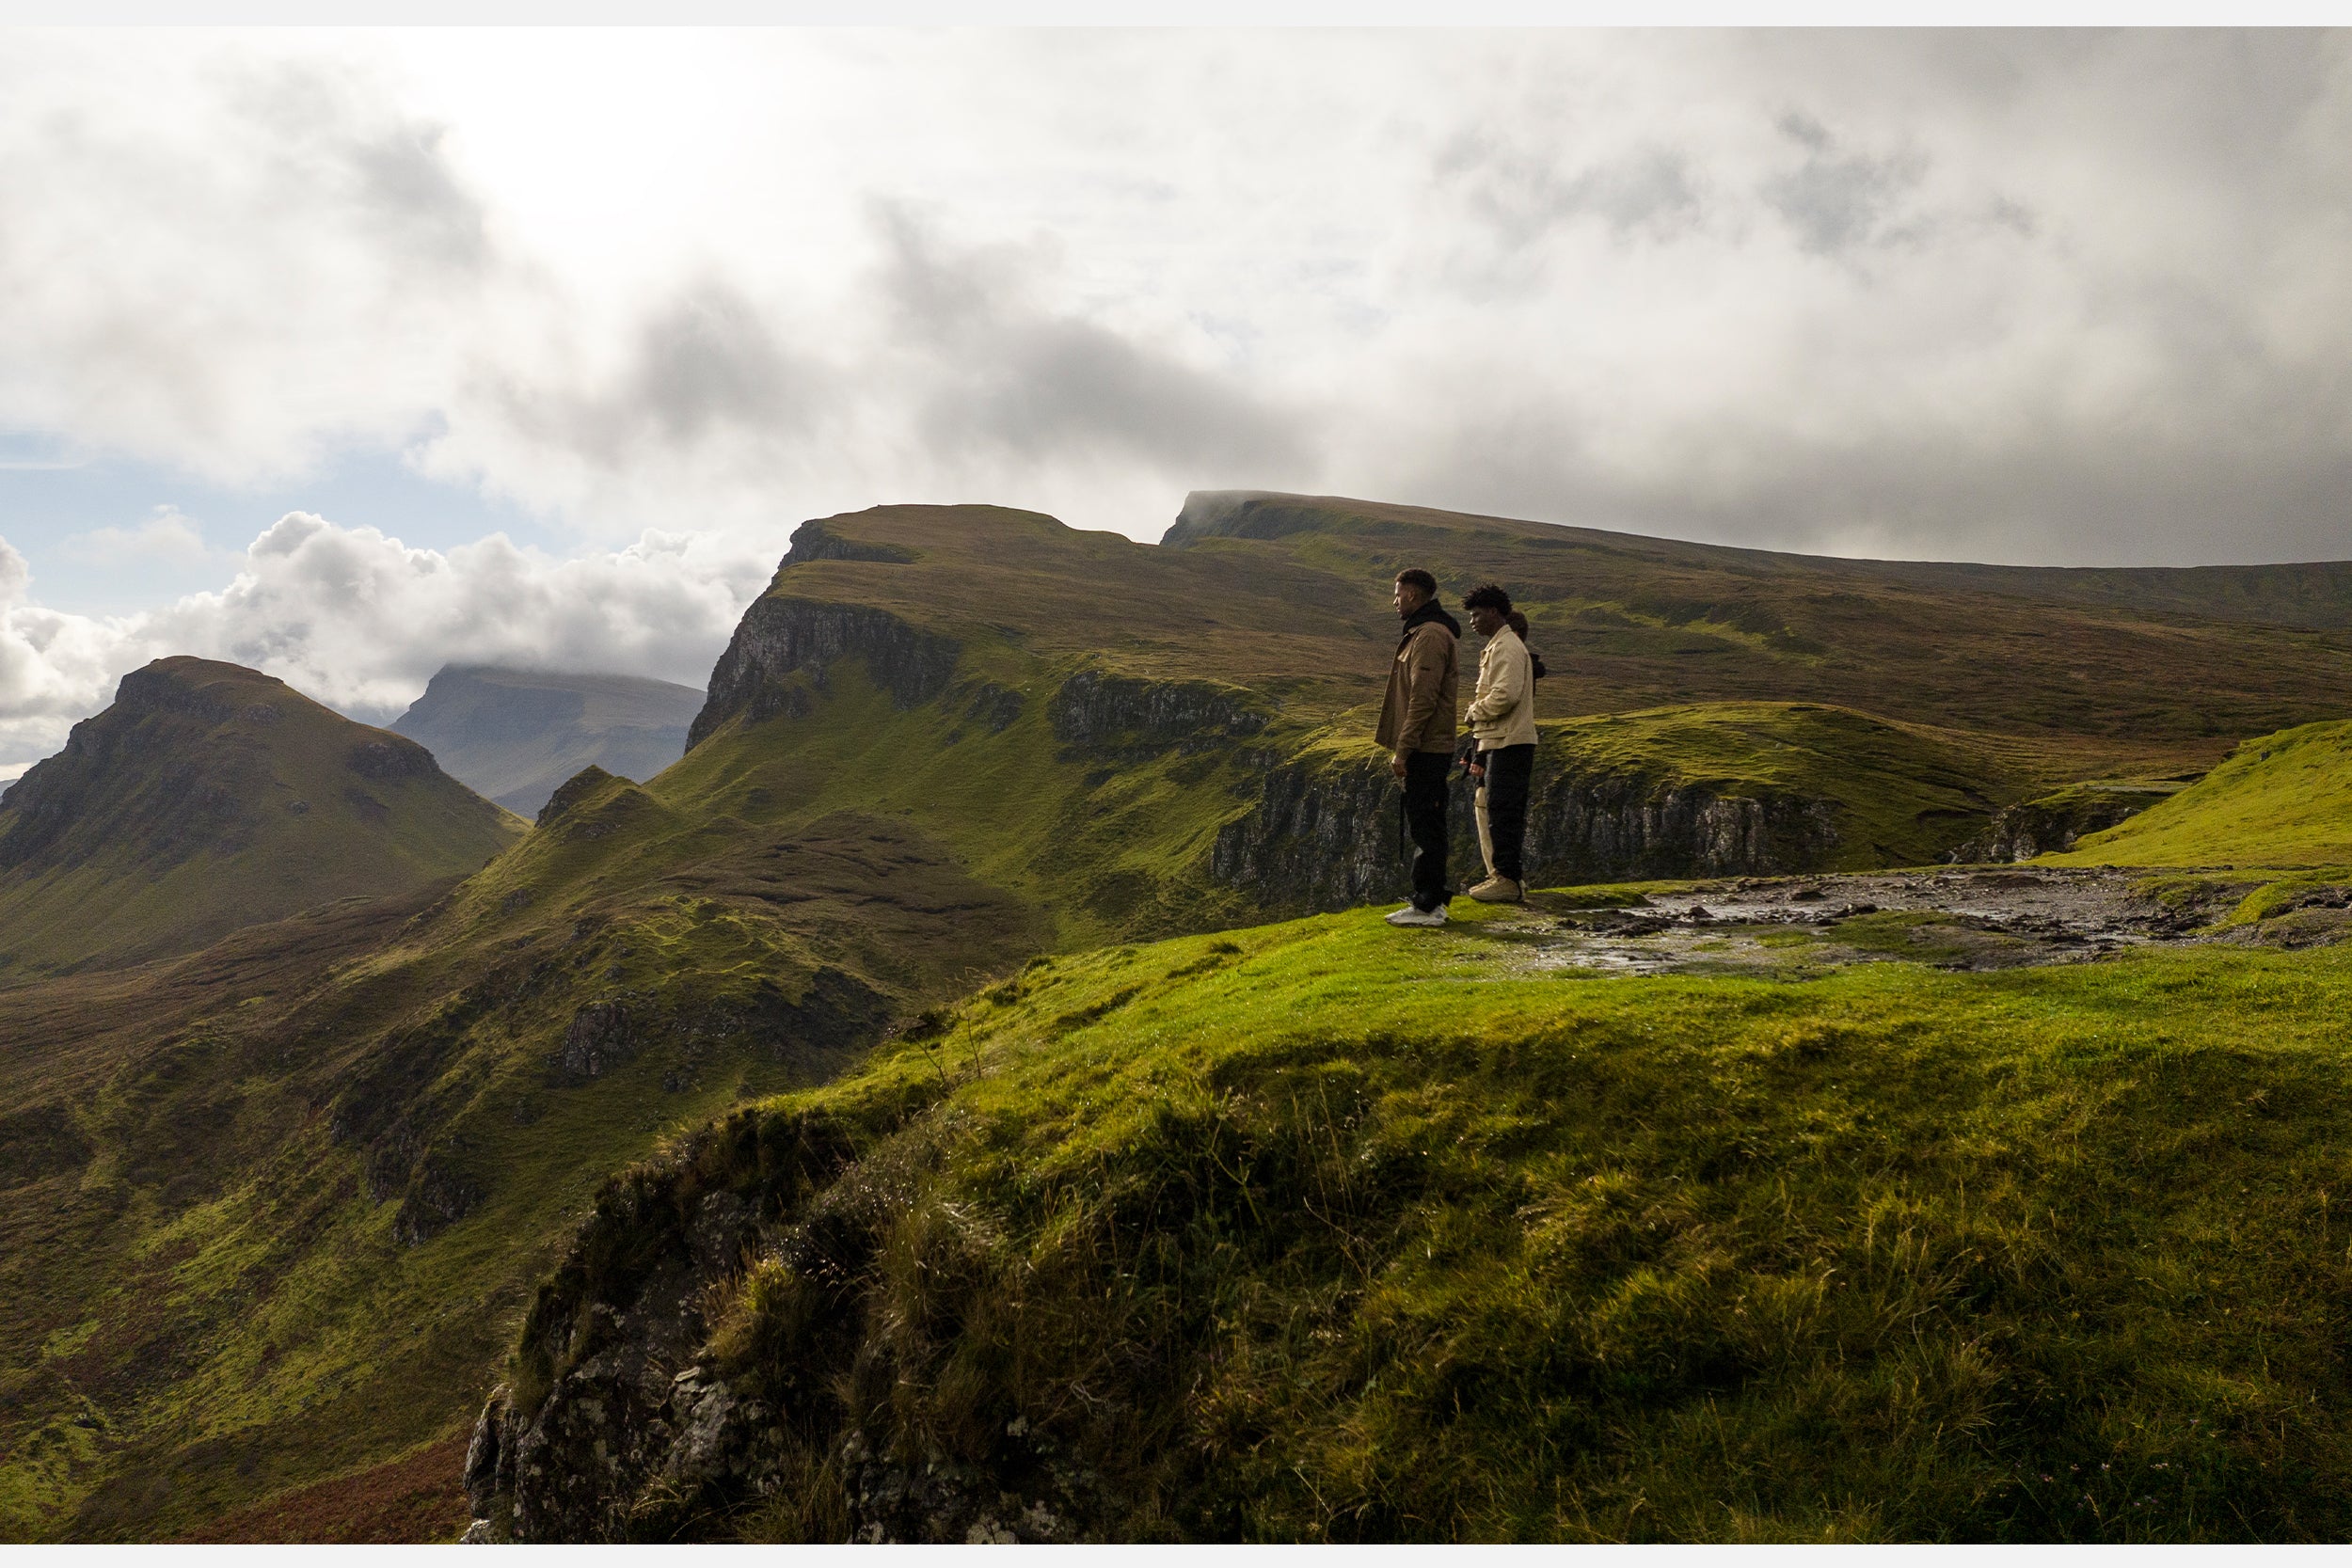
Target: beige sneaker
pixel 1498 890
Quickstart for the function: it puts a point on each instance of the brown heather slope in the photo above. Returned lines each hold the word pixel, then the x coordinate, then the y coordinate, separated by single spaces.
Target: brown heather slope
pixel 209 796
pixel 2111 668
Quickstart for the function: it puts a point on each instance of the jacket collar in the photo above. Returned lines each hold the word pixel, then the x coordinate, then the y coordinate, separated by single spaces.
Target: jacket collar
pixel 1430 610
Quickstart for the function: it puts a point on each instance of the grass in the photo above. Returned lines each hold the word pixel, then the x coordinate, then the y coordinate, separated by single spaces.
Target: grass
pixel 1318 1232
pixel 224 1282
pixel 232 1281
pixel 2282 799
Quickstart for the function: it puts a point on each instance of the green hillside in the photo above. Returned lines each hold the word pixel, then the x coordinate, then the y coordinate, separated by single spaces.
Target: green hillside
pixel 2281 800
pixel 1324 1231
pixel 209 796
pixel 276 1209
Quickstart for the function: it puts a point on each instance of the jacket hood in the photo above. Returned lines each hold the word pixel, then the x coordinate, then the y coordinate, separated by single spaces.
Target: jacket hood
pixel 1431 610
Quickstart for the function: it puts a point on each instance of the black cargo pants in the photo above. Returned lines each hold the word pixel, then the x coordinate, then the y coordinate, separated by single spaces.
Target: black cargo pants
pixel 1502 802
pixel 1425 798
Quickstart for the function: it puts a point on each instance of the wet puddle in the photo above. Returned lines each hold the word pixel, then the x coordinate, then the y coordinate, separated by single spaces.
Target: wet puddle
pixel 2003 917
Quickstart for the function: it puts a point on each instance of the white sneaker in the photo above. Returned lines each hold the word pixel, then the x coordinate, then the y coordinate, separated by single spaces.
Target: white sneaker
pixel 1408 915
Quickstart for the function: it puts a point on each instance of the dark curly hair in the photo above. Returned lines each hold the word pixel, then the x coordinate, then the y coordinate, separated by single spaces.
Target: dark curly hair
pixel 1488 596
pixel 1420 579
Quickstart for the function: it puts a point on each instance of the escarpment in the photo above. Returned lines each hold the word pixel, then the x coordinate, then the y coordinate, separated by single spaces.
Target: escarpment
pixel 1326 835
pixel 813 541
pixel 1101 711
pixel 781 637
pixel 2052 823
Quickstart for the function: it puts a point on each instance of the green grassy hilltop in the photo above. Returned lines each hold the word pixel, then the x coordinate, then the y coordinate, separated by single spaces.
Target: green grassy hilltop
pixel 1318 1231
pixel 273 1211
pixel 2279 800
pixel 209 796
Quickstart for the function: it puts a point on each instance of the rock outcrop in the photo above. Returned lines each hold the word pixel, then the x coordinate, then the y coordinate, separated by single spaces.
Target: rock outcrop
pixel 1097 710
pixel 781 638
pixel 2051 824
pixel 1327 837
pixel 813 541
pixel 628 1421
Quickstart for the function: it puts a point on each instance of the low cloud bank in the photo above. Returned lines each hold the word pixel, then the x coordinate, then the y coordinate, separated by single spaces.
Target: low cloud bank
pixel 360 621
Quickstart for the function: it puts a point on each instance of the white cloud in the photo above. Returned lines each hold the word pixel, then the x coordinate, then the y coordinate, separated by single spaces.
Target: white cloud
pixel 2043 297
pixel 167 535
pixel 360 621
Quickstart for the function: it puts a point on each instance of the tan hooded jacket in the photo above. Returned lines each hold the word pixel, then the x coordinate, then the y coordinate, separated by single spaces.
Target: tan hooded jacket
pixel 1417 715
pixel 1503 710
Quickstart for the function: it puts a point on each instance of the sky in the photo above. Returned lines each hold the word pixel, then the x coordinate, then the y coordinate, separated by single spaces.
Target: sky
pixel 346 354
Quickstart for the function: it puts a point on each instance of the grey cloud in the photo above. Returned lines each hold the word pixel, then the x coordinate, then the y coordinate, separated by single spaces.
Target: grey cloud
pixel 709 360
pixel 390 172
pixel 996 369
pixel 703 366
pixel 1523 194
pixel 1837 201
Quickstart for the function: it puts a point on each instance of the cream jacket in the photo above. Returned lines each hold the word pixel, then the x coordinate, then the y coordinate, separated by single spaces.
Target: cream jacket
pixel 1502 712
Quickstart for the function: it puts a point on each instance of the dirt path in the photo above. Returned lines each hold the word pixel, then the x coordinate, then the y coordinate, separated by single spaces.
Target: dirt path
pixel 1999 917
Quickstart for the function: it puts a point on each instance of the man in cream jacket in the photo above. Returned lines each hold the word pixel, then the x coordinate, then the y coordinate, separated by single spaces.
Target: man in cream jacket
pixel 1501 718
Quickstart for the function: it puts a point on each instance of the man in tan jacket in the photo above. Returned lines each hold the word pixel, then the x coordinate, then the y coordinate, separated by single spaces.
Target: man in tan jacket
pixel 1501 718
pixel 1417 727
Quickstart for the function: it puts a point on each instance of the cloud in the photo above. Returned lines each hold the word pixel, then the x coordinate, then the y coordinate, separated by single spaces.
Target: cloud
pixel 361 621
pixel 166 535
pixel 2045 295
pixel 994 370
pixel 1837 200
pixel 226 258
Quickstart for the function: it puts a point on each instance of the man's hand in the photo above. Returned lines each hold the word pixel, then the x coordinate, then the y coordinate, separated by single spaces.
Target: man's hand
pixel 1396 764
pixel 1478 774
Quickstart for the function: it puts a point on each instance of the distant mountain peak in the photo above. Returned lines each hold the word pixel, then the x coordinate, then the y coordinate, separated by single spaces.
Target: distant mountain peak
pixel 209 796
pixel 514 735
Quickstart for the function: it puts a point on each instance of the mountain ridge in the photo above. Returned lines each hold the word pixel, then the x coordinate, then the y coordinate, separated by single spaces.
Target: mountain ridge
pixel 513 735
pixel 208 795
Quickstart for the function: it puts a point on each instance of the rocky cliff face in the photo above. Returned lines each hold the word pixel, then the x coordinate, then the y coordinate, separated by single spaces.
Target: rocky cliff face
pixel 813 541
pixel 780 639
pixel 630 1419
pixel 2051 824
pixel 1099 711
pixel 1328 837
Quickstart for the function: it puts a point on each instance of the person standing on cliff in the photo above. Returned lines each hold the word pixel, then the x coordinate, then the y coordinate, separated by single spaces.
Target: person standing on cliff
pixel 1417 727
pixel 1501 718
